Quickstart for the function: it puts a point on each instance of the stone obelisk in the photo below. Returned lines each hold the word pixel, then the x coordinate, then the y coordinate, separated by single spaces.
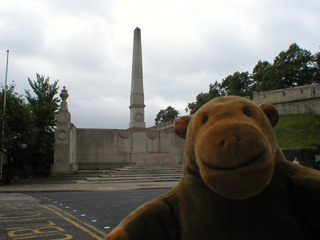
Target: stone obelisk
pixel 137 97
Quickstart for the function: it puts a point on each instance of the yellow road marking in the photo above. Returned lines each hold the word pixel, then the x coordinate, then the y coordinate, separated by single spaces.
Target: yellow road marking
pixel 67 237
pixel 74 221
pixel 22 220
pixel 25 215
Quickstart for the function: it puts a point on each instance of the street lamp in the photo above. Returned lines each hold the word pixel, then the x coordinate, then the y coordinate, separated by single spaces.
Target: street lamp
pixel 3 119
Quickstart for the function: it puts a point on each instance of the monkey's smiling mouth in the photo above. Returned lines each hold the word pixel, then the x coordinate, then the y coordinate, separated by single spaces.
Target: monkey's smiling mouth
pixel 242 165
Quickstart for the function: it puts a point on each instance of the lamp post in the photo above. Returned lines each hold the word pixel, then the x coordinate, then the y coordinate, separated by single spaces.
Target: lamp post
pixel 3 118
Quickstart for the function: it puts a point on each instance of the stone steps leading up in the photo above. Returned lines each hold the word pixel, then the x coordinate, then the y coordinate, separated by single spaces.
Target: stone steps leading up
pixel 134 179
pixel 124 175
pixel 142 175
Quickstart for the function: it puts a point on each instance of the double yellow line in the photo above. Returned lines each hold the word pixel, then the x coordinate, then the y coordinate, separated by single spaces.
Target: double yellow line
pixel 93 232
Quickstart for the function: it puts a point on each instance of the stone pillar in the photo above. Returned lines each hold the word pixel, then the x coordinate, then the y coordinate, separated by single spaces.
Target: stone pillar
pixel 137 97
pixel 65 137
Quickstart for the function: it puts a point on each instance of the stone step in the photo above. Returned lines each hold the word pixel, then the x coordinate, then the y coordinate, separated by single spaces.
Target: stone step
pixel 142 175
pixel 69 177
pixel 145 171
pixel 127 170
pixel 106 177
pixel 131 178
pixel 146 168
pixel 125 174
pixel 131 171
pixel 93 172
pixel 118 173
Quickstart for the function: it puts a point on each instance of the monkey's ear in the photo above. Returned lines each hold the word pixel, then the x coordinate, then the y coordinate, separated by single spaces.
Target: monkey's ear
pixel 271 113
pixel 181 125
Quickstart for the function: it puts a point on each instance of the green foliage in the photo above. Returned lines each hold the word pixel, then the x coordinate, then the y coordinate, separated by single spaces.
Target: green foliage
pixel 298 130
pixel 260 74
pixel 29 129
pixel 18 133
pixel 17 120
pixel 166 115
pixel 239 84
pixel 294 67
pixel 315 64
pixel 43 106
pixel 202 98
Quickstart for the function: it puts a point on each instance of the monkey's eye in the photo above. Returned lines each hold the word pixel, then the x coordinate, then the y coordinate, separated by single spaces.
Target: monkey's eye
pixel 247 112
pixel 205 118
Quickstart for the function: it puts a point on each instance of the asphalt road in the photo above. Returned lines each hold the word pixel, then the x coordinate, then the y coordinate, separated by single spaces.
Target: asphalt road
pixel 67 215
pixel 103 210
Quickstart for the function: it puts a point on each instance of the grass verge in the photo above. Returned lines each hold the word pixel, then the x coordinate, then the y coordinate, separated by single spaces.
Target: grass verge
pixel 298 130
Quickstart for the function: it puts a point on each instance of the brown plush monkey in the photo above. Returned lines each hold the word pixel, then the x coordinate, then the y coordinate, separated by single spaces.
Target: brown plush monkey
pixel 236 182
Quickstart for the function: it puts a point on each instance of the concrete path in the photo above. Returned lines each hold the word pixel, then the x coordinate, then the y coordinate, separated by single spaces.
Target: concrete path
pixel 47 186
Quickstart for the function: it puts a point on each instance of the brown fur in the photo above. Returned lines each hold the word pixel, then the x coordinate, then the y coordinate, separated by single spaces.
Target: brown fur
pixel 236 182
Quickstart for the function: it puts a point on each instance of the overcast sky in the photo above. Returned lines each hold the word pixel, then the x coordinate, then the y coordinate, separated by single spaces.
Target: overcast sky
pixel 186 45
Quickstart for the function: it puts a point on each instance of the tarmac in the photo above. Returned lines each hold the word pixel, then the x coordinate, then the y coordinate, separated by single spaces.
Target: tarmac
pixel 45 185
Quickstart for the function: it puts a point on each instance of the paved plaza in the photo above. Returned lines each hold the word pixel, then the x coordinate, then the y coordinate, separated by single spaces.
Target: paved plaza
pixel 48 186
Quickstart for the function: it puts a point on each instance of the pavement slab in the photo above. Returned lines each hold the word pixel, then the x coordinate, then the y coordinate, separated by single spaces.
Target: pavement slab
pixel 84 186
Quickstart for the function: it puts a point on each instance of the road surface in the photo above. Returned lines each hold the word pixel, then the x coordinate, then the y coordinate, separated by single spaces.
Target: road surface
pixel 67 215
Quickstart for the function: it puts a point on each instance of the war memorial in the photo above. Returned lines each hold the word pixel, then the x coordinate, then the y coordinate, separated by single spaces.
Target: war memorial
pixel 78 148
pixel 95 149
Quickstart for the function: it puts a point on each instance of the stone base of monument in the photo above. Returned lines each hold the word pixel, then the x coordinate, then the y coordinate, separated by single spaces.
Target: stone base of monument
pixel 68 168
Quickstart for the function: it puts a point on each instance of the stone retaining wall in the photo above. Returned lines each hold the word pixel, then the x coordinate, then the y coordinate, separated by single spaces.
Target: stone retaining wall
pixel 303 99
pixel 306 156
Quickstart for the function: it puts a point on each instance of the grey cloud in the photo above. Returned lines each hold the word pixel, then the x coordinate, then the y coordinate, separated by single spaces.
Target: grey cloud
pixel 21 31
pixel 95 62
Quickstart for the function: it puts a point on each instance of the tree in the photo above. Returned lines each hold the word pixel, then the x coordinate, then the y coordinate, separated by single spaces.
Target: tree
pixel 166 115
pixel 294 67
pixel 315 65
pixel 202 98
pixel 18 134
pixel 239 84
pixel 259 74
pixel 43 106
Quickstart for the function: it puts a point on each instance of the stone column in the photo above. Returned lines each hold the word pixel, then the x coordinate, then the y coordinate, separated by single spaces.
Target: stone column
pixel 137 97
pixel 65 137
